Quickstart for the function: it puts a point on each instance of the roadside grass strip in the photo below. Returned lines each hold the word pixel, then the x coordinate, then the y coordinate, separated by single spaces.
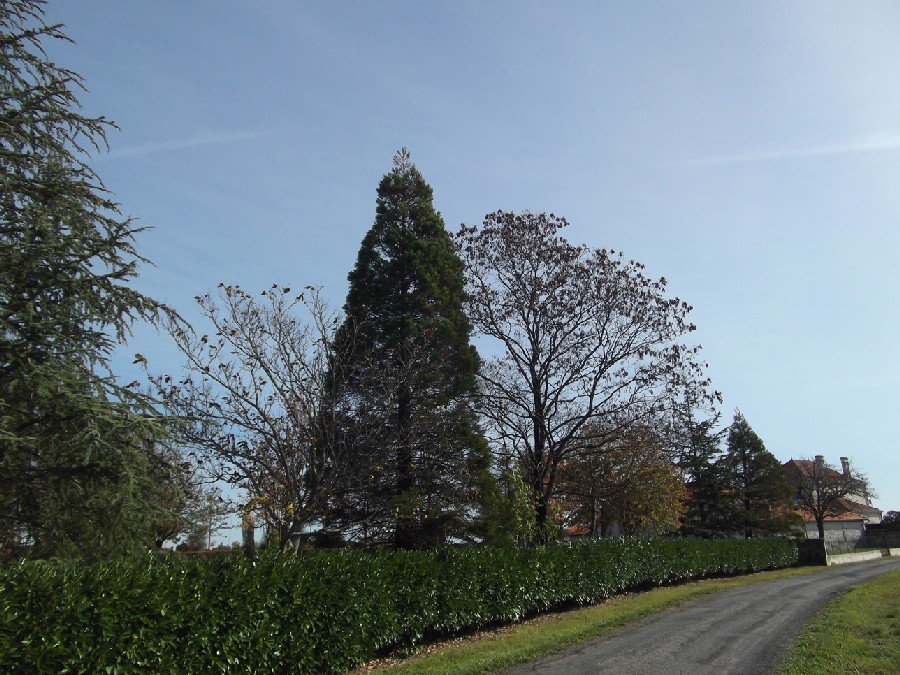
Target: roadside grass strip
pixel 488 651
pixel 856 632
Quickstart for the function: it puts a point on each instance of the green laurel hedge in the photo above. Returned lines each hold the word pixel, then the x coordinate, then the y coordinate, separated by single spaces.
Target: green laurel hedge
pixel 319 612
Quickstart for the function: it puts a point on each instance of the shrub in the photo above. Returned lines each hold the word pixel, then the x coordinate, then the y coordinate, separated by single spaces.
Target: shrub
pixel 325 611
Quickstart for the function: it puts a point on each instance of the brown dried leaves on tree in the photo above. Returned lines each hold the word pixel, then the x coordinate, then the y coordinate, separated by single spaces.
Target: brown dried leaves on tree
pixel 584 338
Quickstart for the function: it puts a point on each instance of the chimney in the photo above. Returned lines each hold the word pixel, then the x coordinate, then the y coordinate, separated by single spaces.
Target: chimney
pixel 820 465
pixel 845 465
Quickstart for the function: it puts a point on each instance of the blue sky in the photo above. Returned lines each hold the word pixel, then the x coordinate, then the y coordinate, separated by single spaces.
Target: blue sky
pixel 749 152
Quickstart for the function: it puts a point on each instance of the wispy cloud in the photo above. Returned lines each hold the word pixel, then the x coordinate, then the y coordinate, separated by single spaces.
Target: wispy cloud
pixel 877 142
pixel 199 140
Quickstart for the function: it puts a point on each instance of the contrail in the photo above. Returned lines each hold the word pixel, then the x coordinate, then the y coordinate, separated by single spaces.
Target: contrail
pixel 875 143
pixel 184 144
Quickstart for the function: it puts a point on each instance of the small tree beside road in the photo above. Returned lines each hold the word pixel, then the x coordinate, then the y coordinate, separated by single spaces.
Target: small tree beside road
pixel 821 491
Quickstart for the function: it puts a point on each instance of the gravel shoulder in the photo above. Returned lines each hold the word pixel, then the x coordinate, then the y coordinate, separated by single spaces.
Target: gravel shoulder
pixel 744 630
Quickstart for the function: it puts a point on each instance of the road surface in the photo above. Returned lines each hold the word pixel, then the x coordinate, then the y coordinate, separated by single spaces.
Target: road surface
pixel 738 631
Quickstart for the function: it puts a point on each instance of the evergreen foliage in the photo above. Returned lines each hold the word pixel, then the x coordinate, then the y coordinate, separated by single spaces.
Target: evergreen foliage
pixel 325 612
pixel 705 511
pixel 408 376
pixel 757 491
pixel 77 449
pixel 510 517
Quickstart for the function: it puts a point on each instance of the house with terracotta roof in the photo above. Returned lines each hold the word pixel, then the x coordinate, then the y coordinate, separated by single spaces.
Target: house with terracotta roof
pixel 835 505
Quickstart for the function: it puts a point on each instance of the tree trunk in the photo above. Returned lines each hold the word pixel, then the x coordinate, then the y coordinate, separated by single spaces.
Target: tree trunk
pixel 404 534
pixel 541 507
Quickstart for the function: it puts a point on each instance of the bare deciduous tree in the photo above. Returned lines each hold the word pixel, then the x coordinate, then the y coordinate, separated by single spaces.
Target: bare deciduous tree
pixel 183 494
pixel 586 338
pixel 254 400
pixel 821 491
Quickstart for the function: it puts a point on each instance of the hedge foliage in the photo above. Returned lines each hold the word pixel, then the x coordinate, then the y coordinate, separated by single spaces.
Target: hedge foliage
pixel 320 612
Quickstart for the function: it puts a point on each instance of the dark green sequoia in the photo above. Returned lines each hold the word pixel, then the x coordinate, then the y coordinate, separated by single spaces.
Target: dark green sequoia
pixel 409 375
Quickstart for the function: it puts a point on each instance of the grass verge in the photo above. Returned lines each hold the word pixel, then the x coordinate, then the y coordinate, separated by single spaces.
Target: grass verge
pixel 488 651
pixel 856 632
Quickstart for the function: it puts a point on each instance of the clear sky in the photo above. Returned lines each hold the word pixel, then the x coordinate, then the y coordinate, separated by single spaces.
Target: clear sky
pixel 749 152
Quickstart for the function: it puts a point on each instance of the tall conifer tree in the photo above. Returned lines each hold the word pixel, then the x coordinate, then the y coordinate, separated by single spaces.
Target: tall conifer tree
pixel 758 490
pixel 706 513
pixel 409 374
pixel 77 449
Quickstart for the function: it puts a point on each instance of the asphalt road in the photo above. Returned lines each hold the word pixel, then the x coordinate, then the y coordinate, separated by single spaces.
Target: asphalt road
pixel 739 631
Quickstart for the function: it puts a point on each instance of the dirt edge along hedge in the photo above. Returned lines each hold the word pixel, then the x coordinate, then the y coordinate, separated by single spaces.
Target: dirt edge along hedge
pixel 324 611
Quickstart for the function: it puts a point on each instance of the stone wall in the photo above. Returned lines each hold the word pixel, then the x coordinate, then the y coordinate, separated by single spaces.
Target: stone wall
pixel 846 544
pixel 843 538
pixel 840 536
